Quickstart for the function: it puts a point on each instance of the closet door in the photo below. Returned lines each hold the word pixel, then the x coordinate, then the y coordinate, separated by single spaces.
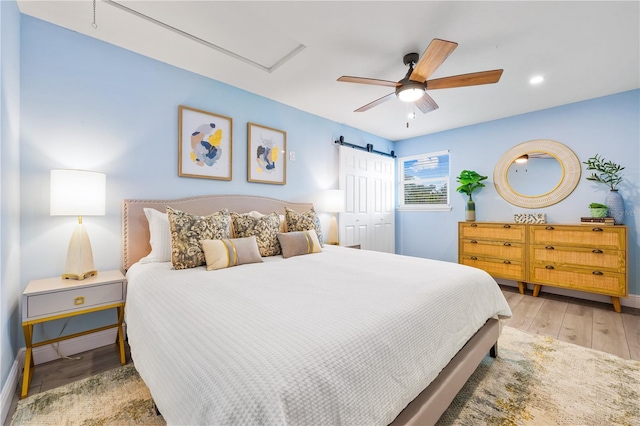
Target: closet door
pixel 369 216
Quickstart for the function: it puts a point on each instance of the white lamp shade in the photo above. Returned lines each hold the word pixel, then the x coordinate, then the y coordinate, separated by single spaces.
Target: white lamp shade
pixel 77 193
pixel 334 200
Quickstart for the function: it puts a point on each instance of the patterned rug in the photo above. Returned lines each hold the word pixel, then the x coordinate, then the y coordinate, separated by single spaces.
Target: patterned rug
pixel 535 381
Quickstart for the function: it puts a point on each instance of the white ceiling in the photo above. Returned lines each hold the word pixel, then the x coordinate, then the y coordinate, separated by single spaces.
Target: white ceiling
pixel 293 52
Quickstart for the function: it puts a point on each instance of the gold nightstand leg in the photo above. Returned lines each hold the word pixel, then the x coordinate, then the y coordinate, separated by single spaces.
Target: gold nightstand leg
pixel 28 360
pixel 120 340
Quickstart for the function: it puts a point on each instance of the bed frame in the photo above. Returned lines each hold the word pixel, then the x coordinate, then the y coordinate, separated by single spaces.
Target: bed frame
pixel 428 406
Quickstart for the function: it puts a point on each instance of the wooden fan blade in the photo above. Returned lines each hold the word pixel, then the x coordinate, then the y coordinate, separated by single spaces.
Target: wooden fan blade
pixel 426 104
pixel 472 79
pixel 376 102
pixel 433 56
pixel 362 80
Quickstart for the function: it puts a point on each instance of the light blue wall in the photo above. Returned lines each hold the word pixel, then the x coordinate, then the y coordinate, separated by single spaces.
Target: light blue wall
pixel 9 185
pixel 91 105
pixel 609 126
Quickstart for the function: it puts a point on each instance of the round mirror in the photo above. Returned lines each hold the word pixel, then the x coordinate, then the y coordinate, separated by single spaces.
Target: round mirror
pixel 537 173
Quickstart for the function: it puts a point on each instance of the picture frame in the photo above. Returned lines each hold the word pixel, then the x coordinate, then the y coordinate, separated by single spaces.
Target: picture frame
pixel 266 154
pixel 204 144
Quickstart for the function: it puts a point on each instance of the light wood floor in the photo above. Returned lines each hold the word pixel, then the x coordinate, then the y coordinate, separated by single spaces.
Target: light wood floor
pixel 585 323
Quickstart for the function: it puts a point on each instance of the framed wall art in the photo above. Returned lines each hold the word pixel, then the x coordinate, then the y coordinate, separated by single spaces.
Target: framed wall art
pixel 266 154
pixel 204 144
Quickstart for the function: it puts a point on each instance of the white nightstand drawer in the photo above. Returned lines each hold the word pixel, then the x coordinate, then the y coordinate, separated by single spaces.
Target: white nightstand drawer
pixel 75 299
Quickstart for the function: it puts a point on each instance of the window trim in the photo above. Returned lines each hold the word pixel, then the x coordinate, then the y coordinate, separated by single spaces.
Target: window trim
pixel 400 190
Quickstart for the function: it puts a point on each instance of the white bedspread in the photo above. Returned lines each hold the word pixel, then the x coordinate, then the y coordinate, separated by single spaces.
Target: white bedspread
pixel 340 337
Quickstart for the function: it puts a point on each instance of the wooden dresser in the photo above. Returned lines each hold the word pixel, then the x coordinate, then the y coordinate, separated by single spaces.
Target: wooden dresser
pixel 576 257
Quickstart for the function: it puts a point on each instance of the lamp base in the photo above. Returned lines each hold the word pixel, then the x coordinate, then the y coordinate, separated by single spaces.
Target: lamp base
pixel 79 256
pixel 332 238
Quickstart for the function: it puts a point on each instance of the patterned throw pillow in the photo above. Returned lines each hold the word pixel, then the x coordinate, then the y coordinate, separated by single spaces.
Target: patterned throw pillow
pixel 187 230
pixel 304 222
pixel 264 228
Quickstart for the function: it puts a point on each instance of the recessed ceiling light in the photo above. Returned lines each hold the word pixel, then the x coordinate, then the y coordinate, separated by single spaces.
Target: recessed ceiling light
pixel 537 79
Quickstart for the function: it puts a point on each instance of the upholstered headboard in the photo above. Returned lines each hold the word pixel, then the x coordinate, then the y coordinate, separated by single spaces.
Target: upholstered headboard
pixel 135 227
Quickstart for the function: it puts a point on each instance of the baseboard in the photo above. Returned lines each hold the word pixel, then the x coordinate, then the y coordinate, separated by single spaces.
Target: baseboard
pixel 632 301
pixel 9 388
pixel 74 346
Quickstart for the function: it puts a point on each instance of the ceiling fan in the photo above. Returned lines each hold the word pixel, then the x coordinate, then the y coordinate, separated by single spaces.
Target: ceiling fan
pixel 413 87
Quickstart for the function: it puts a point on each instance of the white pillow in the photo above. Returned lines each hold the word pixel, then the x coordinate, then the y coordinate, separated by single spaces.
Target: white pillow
pixel 159 237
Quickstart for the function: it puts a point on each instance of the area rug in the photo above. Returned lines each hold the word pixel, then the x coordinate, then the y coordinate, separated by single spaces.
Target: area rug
pixel 535 380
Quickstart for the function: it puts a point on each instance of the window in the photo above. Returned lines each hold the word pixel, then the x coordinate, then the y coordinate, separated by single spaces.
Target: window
pixel 424 182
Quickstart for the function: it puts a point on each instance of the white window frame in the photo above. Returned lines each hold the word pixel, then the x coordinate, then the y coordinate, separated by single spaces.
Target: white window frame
pixel 422 207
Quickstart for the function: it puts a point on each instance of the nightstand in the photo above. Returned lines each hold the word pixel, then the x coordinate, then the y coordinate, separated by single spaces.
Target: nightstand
pixel 54 298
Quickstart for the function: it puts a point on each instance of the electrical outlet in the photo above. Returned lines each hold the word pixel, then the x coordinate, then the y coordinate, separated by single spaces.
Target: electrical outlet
pixel 292 156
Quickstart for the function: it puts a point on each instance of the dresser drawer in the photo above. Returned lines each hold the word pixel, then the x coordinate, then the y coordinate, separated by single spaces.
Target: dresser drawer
pixel 600 237
pixel 74 299
pixel 611 260
pixel 496 249
pixel 492 231
pixel 591 280
pixel 511 270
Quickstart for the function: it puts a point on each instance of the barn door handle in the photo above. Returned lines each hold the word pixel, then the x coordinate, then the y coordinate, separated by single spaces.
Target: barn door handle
pixel 597 273
pixel 507 244
pixel 550 247
pixel 549 228
pixel 596 251
pixel 549 267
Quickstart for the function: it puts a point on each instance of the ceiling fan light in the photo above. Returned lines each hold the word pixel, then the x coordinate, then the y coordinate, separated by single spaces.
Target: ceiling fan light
pixel 410 91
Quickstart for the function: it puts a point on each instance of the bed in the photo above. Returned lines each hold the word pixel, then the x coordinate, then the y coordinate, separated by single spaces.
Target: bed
pixel 342 336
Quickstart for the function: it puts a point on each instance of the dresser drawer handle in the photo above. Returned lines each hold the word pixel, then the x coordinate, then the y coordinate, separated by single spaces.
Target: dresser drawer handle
pixel 549 267
pixel 598 251
pixel 506 226
pixel 474 225
pixel 78 300
pixel 474 258
pixel 507 244
pixel 597 229
pixel 550 248
pixel 549 228
pixel 507 262
pixel 597 273
pixel 474 242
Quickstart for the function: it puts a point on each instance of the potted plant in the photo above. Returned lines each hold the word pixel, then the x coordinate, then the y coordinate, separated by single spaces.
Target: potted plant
pixel 469 181
pixel 598 210
pixel 609 173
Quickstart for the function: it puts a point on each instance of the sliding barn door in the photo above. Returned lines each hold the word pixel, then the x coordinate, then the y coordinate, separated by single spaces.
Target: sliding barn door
pixel 369 216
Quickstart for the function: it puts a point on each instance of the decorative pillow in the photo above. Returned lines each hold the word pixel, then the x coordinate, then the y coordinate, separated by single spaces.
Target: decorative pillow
pixel 303 222
pixel 265 229
pixel 283 222
pixel 187 230
pixel 159 237
pixel 299 243
pixel 232 252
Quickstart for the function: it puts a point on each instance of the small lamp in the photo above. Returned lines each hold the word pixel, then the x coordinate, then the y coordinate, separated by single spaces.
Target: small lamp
pixel 78 193
pixel 333 203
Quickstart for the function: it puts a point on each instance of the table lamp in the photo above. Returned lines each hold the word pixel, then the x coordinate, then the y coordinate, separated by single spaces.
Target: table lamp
pixel 78 193
pixel 333 203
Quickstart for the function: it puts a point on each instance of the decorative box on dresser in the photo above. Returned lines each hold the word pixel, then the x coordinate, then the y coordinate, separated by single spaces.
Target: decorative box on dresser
pixel 576 257
pixel 498 248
